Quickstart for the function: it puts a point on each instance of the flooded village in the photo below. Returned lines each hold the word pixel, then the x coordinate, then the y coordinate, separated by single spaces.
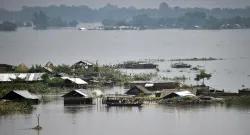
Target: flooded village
pixel 81 84
pixel 124 67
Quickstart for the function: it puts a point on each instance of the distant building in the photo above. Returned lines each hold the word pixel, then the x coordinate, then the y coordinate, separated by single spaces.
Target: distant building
pixel 170 93
pixel 82 64
pixel 79 96
pixel 155 86
pixel 21 95
pixel 179 94
pixel 49 67
pixel 138 90
pixel 74 82
pixel 7 68
pixel 244 92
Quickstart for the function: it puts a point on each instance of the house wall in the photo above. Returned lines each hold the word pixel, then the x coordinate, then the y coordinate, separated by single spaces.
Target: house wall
pixel 77 100
pixel 6 69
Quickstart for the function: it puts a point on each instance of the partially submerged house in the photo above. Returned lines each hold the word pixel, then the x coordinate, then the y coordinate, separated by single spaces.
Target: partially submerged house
pixel 21 95
pixel 179 94
pixel 7 68
pixel 155 86
pixel 244 92
pixel 74 82
pixel 82 64
pixel 79 96
pixel 138 90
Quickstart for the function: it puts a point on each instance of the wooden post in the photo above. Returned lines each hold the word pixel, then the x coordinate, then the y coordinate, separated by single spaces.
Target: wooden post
pixel 38 124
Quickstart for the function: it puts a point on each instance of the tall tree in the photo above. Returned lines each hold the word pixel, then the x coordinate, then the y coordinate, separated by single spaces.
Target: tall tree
pixel 202 76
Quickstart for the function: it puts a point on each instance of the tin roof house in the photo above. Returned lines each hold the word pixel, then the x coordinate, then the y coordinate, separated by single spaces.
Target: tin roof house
pixel 74 82
pixel 78 96
pixel 21 95
pixel 82 64
pixel 138 90
pixel 179 94
pixel 7 68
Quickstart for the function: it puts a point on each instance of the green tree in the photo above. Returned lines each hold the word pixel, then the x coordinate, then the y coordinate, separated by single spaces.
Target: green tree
pixel 202 76
pixel 63 69
pixel 36 69
pixel 40 20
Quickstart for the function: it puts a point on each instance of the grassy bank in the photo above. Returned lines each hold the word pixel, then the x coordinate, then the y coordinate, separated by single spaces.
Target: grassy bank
pixel 14 107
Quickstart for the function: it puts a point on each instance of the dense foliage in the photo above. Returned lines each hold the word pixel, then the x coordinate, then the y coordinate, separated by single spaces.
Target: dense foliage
pixel 42 21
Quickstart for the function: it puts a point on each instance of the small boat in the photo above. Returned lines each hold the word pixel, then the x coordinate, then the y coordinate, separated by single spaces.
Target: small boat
pixel 82 28
pixel 121 100
pixel 137 65
pixel 181 65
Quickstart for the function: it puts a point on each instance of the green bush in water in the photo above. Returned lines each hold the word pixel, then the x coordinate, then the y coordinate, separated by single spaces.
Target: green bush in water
pixel 14 107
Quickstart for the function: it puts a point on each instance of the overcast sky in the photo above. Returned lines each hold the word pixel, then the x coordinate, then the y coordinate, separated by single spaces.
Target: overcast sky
pixel 17 4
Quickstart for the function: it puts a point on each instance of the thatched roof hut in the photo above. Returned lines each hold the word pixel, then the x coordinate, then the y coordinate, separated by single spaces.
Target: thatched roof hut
pixel 22 68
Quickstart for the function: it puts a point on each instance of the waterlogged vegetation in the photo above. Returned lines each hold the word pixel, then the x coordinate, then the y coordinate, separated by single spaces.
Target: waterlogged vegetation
pixel 7 107
pixel 197 59
pixel 243 101
pixel 152 60
pixel 37 88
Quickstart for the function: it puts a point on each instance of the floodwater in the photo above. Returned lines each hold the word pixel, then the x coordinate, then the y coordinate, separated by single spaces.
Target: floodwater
pixel 57 119
pixel 71 45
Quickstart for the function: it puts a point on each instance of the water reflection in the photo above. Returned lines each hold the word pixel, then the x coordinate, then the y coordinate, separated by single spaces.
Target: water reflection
pixel 122 109
pixel 74 109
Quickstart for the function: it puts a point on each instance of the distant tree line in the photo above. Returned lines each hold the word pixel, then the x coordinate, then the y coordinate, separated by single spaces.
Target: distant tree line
pixel 42 21
pixel 190 20
pixel 113 12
